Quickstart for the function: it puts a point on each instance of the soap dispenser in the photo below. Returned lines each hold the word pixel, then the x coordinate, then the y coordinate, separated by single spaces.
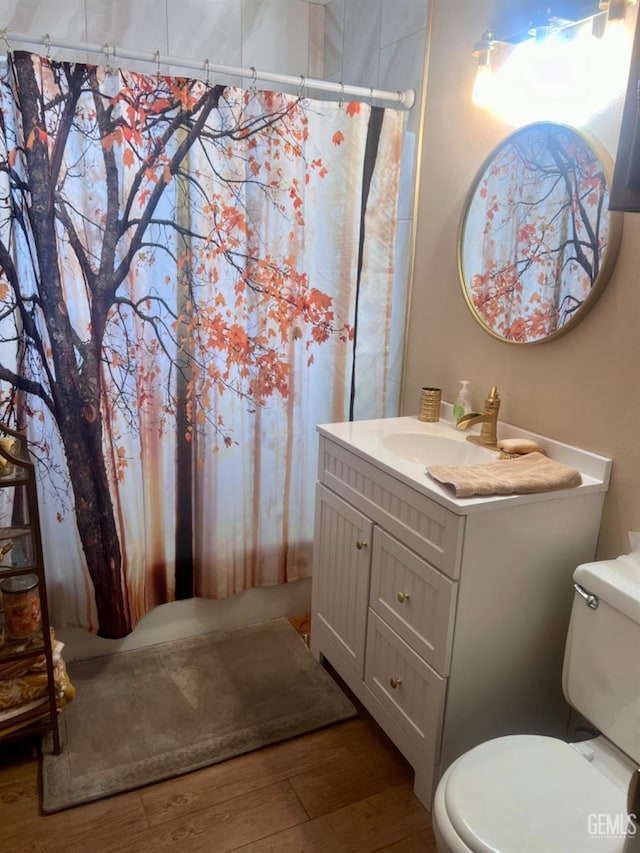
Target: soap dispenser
pixel 462 405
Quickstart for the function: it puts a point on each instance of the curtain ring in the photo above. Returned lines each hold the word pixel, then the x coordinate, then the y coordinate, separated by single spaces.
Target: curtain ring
pixel 254 78
pixel 370 96
pixel 341 101
pixel 47 41
pixel 303 82
pixel 156 57
pixel 108 69
pixel 207 81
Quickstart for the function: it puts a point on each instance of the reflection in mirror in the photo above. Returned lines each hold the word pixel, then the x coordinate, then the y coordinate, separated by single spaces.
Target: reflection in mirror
pixel 537 241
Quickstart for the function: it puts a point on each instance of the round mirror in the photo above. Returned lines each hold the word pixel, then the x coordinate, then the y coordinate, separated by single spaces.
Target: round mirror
pixel 537 241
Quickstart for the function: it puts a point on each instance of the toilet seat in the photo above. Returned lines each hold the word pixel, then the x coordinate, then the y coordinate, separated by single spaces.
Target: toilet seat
pixel 530 794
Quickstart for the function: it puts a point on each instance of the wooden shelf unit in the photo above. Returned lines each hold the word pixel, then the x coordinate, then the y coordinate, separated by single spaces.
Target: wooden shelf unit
pixel 20 524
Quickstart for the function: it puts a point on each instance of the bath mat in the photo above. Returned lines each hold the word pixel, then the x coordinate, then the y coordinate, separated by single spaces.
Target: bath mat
pixel 153 713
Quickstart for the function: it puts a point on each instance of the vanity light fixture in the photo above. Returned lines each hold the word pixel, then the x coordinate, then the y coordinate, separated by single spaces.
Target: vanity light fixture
pixel 557 57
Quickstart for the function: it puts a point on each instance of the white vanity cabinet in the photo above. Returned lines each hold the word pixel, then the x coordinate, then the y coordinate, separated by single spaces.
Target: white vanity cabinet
pixel 446 618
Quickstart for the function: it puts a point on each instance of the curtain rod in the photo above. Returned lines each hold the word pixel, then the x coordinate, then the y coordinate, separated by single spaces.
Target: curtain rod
pixel 110 52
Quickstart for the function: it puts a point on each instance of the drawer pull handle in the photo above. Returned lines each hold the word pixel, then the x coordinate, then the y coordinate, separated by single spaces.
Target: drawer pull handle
pixel 403 596
pixel 395 682
pixel 360 544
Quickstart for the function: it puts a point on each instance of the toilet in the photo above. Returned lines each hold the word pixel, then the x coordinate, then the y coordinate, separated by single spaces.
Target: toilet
pixel 537 794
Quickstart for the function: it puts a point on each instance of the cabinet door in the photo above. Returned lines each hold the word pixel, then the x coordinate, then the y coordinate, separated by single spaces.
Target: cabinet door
pixel 341 577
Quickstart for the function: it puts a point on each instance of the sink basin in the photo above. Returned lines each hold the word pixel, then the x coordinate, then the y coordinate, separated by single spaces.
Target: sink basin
pixel 427 449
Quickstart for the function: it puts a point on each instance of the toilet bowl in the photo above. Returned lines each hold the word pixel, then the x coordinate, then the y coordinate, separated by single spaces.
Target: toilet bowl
pixel 535 794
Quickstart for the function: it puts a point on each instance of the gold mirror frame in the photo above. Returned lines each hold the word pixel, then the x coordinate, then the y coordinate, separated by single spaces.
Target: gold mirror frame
pixel 537 242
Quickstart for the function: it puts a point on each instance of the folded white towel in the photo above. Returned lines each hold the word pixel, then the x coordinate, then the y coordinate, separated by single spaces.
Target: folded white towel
pixel 533 472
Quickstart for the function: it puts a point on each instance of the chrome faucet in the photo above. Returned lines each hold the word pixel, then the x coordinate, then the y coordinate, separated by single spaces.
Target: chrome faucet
pixel 489 419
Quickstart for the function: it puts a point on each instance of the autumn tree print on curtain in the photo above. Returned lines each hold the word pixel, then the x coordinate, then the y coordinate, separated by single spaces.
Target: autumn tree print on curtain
pixel 535 232
pixel 180 267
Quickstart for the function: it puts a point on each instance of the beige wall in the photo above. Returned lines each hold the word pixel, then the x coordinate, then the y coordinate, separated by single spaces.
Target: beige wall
pixel 583 388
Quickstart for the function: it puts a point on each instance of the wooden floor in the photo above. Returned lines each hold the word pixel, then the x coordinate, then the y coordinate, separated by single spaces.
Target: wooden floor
pixel 341 789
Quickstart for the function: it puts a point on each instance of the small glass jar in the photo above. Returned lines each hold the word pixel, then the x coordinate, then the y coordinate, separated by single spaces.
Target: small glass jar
pixel 7 469
pixel 21 606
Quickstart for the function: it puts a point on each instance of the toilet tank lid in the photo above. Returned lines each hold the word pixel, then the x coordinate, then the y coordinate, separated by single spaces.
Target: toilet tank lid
pixel 617 582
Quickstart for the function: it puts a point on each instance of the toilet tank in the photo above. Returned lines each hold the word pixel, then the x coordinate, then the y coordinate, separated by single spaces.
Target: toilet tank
pixel 601 674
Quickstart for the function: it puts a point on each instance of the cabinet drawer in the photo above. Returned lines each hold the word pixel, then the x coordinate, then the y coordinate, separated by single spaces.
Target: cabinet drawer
pixel 432 531
pixel 416 702
pixel 416 600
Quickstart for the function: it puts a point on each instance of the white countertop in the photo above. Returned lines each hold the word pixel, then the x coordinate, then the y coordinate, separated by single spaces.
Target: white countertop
pixel 368 438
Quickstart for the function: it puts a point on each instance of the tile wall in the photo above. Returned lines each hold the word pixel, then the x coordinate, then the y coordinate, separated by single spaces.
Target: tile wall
pixel 283 36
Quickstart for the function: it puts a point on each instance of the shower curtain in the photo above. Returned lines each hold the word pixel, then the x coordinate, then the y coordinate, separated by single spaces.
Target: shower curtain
pixel 193 277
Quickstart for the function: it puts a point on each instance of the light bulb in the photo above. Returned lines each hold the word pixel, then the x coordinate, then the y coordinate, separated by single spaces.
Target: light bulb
pixel 482 94
pixel 562 80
